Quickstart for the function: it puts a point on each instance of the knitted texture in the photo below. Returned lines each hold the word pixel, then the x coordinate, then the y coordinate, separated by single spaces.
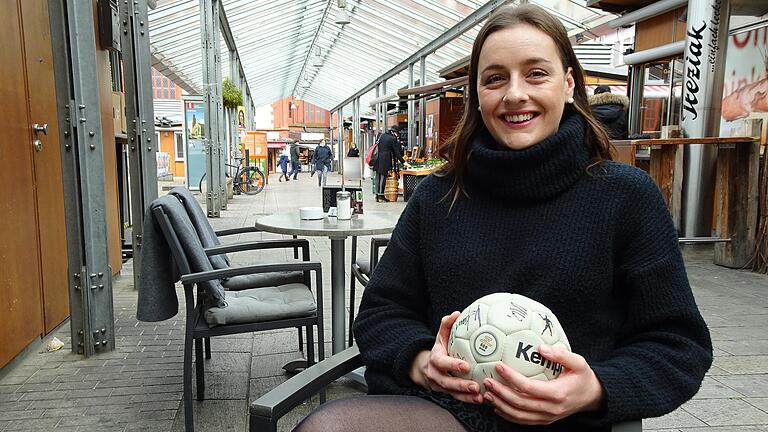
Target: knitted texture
pixel 595 244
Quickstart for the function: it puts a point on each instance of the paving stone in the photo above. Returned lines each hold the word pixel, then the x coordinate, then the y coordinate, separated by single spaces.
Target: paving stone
pixel 748 364
pixel 224 385
pixel 712 389
pixel 759 403
pixel 21 415
pixel 726 412
pixel 748 385
pixel 63 412
pixel 40 424
pixel 676 419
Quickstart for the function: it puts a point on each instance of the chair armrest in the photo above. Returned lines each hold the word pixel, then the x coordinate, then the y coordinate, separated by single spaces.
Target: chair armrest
pixel 262 244
pixel 251 269
pixel 376 244
pixel 233 231
pixel 283 398
pixel 628 426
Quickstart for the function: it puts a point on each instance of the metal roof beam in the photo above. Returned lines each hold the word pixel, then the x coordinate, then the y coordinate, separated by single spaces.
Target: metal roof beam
pixel 470 21
pixel 227 33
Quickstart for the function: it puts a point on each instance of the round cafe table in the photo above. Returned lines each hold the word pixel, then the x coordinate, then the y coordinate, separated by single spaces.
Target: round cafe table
pixel 337 230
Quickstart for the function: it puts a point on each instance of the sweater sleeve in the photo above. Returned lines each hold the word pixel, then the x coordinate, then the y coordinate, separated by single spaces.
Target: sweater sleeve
pixel 664 348
pixel 391 328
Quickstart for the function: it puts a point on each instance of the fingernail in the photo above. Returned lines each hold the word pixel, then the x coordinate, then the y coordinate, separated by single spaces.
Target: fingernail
pixel 489 397
pixel 544 349
pixel 478 399
pixel 488 384
pixel 474 388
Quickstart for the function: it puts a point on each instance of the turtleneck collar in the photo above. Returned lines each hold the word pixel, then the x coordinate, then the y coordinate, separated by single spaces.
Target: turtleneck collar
pixel 536 173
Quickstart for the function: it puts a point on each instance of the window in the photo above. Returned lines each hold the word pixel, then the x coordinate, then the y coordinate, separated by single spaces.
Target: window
pixel 179 140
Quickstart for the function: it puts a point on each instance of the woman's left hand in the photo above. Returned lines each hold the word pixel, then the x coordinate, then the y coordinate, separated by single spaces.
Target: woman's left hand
pixel 532 402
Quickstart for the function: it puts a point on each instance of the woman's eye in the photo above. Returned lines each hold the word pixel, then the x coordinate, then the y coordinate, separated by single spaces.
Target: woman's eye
pixel 493 79
pixel 537 73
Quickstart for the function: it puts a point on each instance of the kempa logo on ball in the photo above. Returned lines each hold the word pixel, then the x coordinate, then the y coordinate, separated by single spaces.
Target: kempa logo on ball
pixel 536 358
pixel 486 344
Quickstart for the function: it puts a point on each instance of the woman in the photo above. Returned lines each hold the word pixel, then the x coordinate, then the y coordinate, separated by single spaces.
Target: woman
pixel 389 155
pixel 322 159
pixel 529 202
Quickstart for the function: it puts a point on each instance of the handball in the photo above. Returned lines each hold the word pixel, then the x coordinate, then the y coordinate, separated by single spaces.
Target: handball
pixel 507 328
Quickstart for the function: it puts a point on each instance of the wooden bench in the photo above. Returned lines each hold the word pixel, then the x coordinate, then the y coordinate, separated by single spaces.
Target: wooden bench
pixel 736 188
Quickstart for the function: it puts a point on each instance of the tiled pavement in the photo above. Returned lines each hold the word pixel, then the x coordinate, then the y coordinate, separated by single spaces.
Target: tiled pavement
pixel 138 386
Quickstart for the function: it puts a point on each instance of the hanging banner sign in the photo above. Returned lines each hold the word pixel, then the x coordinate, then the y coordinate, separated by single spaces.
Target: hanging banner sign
pixel 703 60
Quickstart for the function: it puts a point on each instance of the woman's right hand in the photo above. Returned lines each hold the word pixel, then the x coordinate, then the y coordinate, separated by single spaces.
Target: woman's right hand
pixel 432 369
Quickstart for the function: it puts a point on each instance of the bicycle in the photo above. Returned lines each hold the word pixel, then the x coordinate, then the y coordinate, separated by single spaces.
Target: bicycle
pixel 249 179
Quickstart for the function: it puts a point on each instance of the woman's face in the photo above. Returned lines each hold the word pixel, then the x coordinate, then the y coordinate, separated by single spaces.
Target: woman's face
pixel 522 88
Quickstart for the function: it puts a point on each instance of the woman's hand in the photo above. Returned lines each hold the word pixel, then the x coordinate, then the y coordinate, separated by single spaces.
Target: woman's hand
pixel 431 369
pixel 532 402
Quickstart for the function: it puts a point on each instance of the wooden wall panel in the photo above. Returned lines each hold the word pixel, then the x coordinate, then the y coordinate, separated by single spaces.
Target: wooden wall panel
pixel 110 154
pixel 659 30
pixel 49 190
pixel 20 294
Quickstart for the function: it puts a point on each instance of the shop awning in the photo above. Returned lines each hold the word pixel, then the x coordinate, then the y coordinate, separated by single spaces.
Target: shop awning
pixel 434 88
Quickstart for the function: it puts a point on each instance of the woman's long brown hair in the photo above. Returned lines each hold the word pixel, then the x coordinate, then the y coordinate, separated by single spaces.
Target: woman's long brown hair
pixel 456 149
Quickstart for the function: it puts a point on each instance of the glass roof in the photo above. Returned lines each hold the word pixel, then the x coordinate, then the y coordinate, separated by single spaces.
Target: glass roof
pixel 277 42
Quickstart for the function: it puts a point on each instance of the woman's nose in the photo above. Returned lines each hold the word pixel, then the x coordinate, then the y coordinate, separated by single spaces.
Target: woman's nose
pixel 516 92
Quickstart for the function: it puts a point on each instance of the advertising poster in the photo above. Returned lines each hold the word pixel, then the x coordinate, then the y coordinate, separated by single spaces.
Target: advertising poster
pixel 194 121
pixel 256 144
pixel 745 90
pixel 241 124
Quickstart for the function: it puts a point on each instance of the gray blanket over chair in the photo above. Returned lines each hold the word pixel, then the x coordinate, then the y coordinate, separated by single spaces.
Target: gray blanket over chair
pixel 158 273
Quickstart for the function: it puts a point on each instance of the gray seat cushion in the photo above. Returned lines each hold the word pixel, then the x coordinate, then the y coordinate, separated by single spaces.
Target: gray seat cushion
pixel 258 280
pixel 263 304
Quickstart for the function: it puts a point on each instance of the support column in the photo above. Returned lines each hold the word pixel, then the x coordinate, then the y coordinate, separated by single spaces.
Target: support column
pixel 356 125
pixel 341 136
pixel 705 49
pixel 384 110
pixel 378 114
pixel 209 35
pixel 139 112
pixel 422 104
pixel 411 110
pixel 77 98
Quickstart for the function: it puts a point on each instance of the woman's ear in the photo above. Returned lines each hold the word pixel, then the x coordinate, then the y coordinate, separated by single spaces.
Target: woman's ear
pixel 570 83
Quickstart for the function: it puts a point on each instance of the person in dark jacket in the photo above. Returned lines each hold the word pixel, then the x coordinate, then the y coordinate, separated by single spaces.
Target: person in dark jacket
pixel 353 151
pixel 321 159
pixel 283 163
pixel 611 110
pixel 528 202
pixel 295 161
pixel 390 153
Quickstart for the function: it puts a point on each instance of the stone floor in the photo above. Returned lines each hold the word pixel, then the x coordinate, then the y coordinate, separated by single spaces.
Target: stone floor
pixel 138 386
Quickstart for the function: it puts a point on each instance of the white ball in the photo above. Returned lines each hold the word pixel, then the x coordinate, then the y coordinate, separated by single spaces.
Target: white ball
pixel 508 328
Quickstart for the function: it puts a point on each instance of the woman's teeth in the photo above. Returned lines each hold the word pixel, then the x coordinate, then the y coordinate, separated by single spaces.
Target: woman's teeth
pixel 518 118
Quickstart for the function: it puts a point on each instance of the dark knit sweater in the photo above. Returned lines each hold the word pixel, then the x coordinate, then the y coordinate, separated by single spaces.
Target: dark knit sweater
pixel 598 248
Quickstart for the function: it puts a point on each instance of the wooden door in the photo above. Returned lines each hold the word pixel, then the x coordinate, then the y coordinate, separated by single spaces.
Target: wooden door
pixel 20 280
pixel 47 162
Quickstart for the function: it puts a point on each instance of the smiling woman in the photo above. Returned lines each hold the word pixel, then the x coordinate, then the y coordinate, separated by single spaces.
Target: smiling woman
pixel 522 97
pixel 528 203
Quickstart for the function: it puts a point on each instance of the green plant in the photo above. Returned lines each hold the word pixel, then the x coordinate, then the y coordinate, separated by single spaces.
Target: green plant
pixel 232 96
